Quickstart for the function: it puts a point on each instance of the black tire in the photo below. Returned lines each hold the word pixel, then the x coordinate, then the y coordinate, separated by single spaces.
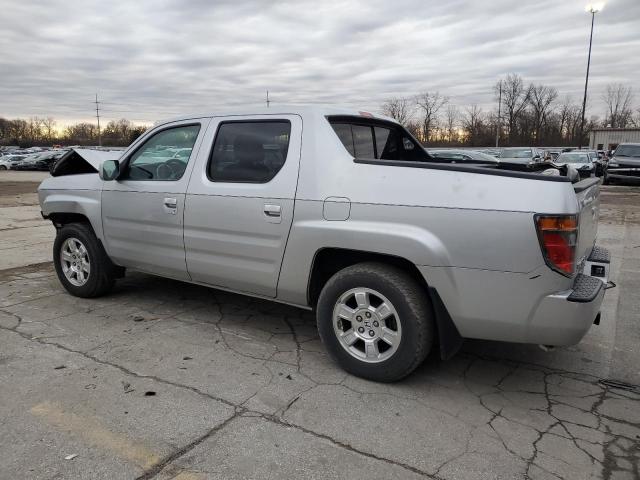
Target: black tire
pixel 2 167
pixel 414 311
pixel 102 274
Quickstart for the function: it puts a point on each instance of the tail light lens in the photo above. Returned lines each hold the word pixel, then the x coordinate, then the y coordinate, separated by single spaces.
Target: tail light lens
pixel 558 236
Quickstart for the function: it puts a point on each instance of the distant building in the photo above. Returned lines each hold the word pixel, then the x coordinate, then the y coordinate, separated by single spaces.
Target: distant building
pixel 610 138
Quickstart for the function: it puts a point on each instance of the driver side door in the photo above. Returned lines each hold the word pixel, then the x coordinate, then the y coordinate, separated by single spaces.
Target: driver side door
pixel 143 210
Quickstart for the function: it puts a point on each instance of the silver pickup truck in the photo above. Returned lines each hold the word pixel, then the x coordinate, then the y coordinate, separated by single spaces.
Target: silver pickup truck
pixel 345 213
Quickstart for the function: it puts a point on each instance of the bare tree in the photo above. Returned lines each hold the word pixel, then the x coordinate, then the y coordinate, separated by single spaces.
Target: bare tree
pixel 430 103
pixel 48 128
pixel 451 117
pixel 399 108
pixel 472 123
pixel 514 101
pixel 618 98
pixel 540 98
pixel 34 131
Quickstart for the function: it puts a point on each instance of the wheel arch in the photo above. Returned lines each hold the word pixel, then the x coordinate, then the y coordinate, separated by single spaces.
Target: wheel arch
pixel 328 261
pixel 73 207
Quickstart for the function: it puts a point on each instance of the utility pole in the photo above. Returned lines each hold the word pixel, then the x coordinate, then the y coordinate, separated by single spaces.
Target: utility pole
pixel 499 113
pixel 98 117
pixel 268 101
pixel 593 9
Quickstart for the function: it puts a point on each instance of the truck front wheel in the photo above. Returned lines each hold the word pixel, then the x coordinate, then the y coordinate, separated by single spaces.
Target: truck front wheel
pixel 376 321
pixel 82 265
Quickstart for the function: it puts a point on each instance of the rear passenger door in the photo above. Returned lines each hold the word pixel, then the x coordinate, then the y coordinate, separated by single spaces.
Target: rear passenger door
pixel 239 203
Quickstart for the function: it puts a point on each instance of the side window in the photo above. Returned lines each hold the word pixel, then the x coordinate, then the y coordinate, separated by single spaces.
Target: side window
pixel 386 144
pixel 249 152
pixel 343 130
pixel 164 156
pixel 363 141
pixel 378 141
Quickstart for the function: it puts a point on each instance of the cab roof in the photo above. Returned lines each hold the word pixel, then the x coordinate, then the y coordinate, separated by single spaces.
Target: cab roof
pixel 301 110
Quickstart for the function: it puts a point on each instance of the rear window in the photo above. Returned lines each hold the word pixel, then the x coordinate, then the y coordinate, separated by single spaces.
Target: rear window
pixel 373 140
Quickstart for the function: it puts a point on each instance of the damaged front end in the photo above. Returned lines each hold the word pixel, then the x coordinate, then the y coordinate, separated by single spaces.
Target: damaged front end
pixel 82 160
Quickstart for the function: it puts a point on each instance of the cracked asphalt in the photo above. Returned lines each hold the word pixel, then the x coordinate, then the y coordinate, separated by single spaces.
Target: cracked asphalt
pixel 165 380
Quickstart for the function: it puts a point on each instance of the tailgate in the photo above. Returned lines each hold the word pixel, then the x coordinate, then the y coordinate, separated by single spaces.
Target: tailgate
pixel 588 196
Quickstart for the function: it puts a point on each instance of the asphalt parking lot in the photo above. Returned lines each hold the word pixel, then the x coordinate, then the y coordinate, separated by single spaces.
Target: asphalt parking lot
pixel 167 380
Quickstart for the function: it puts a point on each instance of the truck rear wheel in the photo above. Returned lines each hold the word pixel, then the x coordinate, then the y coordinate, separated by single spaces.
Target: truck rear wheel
pixel 82 265
pixel 376 321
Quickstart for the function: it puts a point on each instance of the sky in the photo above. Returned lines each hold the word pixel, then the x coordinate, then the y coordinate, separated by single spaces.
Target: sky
pixel 149 60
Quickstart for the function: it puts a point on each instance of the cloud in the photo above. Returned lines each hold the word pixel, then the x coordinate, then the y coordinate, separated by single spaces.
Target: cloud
pixel 151 60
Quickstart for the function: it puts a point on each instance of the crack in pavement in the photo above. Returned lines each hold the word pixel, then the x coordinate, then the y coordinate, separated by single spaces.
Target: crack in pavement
pixel 239 409
pixel 499 387
pixel 164 462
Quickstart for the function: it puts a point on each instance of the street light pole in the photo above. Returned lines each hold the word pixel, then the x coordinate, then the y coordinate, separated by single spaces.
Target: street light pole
pixel 593 9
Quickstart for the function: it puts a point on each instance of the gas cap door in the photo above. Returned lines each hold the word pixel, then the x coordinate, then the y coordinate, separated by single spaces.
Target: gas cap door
pixel 336 208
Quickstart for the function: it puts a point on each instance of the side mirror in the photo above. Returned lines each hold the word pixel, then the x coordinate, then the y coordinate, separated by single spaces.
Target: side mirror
pixel 109 170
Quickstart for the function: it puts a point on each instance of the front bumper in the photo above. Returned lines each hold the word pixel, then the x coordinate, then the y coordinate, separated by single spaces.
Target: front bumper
pixel 623 173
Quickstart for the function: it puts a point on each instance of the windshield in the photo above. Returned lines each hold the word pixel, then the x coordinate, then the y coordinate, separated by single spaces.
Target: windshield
pixel 573 158
pixel 628 151
pixel 516 153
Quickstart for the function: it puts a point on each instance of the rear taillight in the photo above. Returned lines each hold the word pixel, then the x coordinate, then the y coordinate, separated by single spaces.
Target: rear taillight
pixel 558 236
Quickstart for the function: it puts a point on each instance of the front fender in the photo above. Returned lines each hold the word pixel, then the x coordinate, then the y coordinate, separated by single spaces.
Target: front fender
pixel 80 202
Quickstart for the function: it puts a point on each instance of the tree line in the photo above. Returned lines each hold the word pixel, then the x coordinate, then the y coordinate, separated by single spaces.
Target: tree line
pixel 43 131
pixel 528 115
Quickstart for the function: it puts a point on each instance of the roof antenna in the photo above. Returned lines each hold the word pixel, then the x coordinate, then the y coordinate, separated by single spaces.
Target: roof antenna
pixel 268 101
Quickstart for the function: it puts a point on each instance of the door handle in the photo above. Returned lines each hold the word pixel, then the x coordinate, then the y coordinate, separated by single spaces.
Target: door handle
pixel 271 210
pixel 170 205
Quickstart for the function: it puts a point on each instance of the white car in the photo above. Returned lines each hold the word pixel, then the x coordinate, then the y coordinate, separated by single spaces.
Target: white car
pixel 5 164
pixel 9 162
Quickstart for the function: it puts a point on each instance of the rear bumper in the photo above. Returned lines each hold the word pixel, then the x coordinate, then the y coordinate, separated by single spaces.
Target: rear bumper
pixel 564 318
pixel 539 307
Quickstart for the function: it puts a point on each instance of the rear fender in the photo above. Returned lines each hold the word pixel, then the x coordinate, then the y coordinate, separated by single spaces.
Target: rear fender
pixel 411 243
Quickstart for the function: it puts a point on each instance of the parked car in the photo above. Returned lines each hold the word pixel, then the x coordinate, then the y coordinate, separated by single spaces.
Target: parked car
pixel 13 161
pixel 580 160
pixel 463 156
pixel 494 152
pixel 551 155
pixel 599 161
pixel 40 161
pixel 526 156
pixel 396 254
pixel 624 164
pixel 5 164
